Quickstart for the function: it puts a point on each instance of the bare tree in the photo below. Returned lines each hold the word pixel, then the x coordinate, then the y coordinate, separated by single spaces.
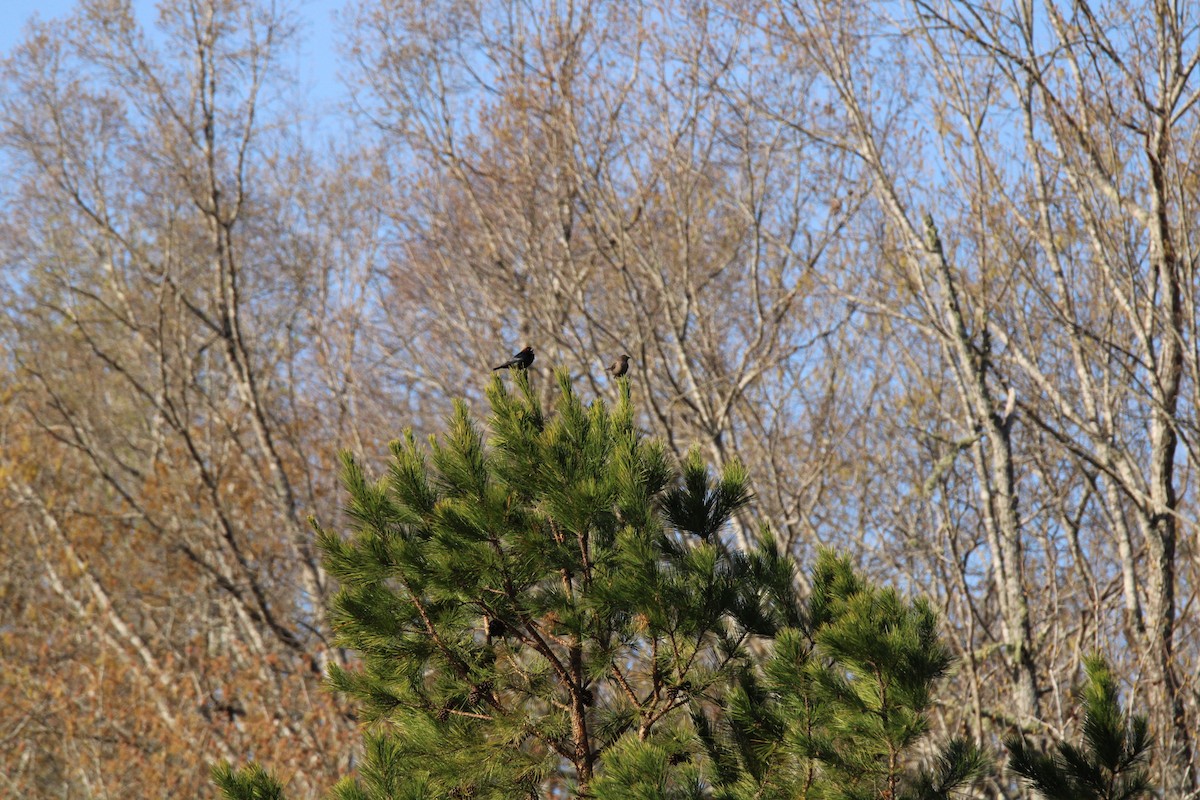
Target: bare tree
pixel 178 308
pixel 595 178
pixel 1052 143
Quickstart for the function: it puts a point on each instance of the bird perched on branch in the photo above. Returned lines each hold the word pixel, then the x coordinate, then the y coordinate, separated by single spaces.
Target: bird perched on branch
pixel 521 360
pixel 619 367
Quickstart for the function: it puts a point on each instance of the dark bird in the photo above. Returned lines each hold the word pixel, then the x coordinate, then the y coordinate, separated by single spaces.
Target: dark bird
pixel 619 367
pixel 521 360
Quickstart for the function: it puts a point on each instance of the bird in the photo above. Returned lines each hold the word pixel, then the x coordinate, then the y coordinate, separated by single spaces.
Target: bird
pixel 521 360
pixel 620 366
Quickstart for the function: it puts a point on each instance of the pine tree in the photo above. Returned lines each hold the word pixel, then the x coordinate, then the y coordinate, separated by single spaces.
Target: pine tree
pixel 1111 764
pixel 840 705
pixel 552 610
pixel 521 604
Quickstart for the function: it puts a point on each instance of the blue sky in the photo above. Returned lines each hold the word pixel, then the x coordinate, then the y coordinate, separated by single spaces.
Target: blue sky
pixel 14 13
pixel 316 62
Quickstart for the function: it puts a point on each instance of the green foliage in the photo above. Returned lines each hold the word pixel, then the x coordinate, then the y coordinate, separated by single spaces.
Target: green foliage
pixel 661 767
pixel 1111 764
pixel 521 603
pixel 840 703
pixel 250 783
pixel 550 609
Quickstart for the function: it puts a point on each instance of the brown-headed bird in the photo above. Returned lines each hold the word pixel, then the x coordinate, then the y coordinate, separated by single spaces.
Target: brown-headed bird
pixel 521 360
pixel 619 367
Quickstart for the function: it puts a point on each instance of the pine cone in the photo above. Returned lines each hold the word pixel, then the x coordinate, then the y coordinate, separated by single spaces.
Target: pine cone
pixel 479 692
